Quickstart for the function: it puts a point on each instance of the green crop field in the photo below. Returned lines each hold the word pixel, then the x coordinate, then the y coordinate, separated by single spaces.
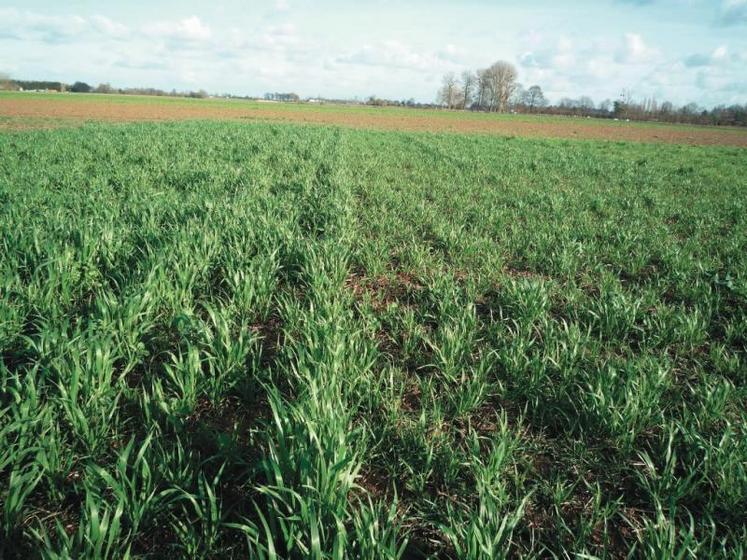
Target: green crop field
pixel 227 340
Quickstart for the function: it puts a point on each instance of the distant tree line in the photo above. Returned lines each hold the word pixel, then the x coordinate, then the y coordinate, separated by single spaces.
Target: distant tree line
pixel 7 83
pixel 649 110
pixel 285 97
pixel 15 85
pixel 496 89
pixel 82 87
pixel 376 101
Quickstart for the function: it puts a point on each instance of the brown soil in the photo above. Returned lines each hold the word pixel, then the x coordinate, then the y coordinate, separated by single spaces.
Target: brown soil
pixel 43 113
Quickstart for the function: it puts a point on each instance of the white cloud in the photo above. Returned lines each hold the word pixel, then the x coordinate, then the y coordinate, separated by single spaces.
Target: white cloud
pixel 452 53
pixel 635 50
pixel 563 55
pixel 139 62
pixel 719 56
pixel 282 6
pixel 30 26
pixel 109 27
pixel 279 36
pixel 280 39
pixel 721 70
pixel 600 67
pixel 721 53
pixel 190 29
pixel 396 54
pixel 15 24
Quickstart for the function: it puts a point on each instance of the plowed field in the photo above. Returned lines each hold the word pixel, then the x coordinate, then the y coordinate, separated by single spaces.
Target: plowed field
pixel 19 111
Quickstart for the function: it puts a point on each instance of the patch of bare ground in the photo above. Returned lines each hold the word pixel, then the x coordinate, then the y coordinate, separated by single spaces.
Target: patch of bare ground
pixel 66 111
pixel 401 287
pixel 271 335
pixel 518 273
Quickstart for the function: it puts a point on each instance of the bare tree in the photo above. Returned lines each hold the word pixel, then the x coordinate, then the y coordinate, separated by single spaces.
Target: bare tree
pixel 535 99
pixel 622 106
pixel 501 84
pixel 518 98
pixel 448 93
pixel 585 103
pixel 469 83
pixel 483 88
pixel 667 108
pixel 6 82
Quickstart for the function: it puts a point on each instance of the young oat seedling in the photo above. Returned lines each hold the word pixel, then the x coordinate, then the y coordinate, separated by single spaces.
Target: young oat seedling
pixel 281 341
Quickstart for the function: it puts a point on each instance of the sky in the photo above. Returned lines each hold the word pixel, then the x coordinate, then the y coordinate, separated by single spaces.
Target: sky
pixel 677 50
